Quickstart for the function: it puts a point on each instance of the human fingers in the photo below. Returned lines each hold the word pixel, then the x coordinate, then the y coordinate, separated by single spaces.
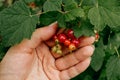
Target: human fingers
pixel 43 34
pixel 51 42
pixel 27 46
pixel 75 70
pixel 83 42
pixel 22 54
pixel 74 58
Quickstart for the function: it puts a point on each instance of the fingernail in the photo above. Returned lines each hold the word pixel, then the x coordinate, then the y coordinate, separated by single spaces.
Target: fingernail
pixel 92 37
pixel 53 24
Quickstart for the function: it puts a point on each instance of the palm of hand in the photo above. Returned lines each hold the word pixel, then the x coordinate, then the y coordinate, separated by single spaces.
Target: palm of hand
pixel 43 67
pixel 32 59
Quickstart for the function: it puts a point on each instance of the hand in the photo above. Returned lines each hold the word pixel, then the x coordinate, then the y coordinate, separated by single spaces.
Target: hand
pixel 32 59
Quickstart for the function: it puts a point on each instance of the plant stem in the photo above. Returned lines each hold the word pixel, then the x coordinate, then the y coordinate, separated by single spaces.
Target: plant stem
pixel 80 3
pixel 9 2
pixel 96 3
pixel 38 13
pixel 117 51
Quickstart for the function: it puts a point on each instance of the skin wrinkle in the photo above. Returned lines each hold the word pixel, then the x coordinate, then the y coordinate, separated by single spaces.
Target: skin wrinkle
pixel 82 53
pixel 77 61
pixel 72 69
pixel 82 63
pixel 48 68
pixel 47 62
pixel 65 63
pixel 76 58
pixel 42 60
pixel 44 64
pixel 38 59
pixel 31 66
pixel 44 67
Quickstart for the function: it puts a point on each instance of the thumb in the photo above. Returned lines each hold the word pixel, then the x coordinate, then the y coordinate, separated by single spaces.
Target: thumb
pixel 17 60
pixel 43 34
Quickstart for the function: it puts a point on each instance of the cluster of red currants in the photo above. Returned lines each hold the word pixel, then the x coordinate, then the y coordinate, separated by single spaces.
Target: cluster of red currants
pixel 67 39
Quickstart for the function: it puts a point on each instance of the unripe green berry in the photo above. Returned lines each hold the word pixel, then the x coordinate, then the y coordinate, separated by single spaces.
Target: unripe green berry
pixel 59 51
pixel 58 46
pixel 54 49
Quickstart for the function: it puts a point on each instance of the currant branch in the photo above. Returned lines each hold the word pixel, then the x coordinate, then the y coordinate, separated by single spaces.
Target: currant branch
pixel 80 3
pixel 117 51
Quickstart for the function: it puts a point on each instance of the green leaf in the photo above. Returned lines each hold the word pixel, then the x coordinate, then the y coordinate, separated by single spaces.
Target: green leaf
pixel 69 5
pixel 96 18
pixel 71 15
pixel 2 51
pixel 113 68
pixel 106 34
pixel 28 1
pixel 102 75
pixel 17 23
pixel 114 40
pixel 52 5
pixel 1 3
pixel 88 2
pixel 109 3
pixel 105 13
pixel 112 19
pixel 49 17
pixel 85 29
pixel 88 77
pixel 98 56
pixel 61 20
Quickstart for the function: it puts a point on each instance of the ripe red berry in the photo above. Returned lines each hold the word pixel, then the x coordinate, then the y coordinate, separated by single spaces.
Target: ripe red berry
pixel 97 36
pixel 62 37
pixel 72 47
pixel 67 42
pixel 76 42
pixel 70 34
pixel 32 5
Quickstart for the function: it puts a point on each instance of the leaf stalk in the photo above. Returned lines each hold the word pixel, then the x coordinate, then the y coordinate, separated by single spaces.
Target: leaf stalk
pixel 117 51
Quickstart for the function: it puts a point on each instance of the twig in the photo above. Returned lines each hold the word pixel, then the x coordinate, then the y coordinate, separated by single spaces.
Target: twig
pixel 117 51
pixel 80 3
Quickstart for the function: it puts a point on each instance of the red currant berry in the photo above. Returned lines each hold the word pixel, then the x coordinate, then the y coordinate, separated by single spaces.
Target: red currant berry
pixel 32 5
pixel 70 33
pixel 72 47
pixel 76 42
pixel 67 42
pixel 62 37
pixel 97 36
